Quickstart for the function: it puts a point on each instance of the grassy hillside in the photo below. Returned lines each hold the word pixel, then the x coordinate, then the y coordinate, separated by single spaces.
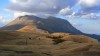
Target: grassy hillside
pixel 15 43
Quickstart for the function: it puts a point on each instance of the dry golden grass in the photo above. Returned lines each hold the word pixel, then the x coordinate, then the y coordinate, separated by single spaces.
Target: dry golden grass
pixel 86 53
pixel 75 38
pixel 95 47
pixel 31 28
pixel 13 43
pixel 14 37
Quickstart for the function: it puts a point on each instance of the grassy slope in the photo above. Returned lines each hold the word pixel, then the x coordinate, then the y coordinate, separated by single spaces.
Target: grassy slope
pixel 13 43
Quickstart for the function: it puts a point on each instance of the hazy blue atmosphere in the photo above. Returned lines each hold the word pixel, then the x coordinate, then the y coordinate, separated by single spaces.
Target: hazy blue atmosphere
pixel 82 14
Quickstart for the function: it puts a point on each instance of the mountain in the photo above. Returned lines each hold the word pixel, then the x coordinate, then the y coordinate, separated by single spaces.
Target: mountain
pixel 50 24
pixel 33 36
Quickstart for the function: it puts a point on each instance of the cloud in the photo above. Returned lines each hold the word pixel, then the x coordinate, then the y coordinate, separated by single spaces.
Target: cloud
pixel 65 11
pixel 17 14
pixel 90 5
pixel 92 16
pixel 42 6
pixel 1 16
pixel 18 1
pixel 6 17
pixel 3 19
pixel 89 8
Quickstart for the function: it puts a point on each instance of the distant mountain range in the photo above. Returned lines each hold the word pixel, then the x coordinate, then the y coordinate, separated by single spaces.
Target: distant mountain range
pixel 30 23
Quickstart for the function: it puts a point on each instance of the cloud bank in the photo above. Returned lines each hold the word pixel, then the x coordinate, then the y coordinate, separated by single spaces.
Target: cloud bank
pixel 51 7
pixel 87 8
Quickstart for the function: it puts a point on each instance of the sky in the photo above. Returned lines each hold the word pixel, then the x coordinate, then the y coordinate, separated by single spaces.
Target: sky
pixel 82 14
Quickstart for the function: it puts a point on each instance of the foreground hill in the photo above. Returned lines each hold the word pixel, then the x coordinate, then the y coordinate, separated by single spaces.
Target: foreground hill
pixel 6 36
pixel 15 43
pixel 30 23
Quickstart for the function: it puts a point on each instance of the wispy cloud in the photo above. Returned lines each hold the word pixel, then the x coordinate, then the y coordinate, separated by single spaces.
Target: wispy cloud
pixel 4 19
